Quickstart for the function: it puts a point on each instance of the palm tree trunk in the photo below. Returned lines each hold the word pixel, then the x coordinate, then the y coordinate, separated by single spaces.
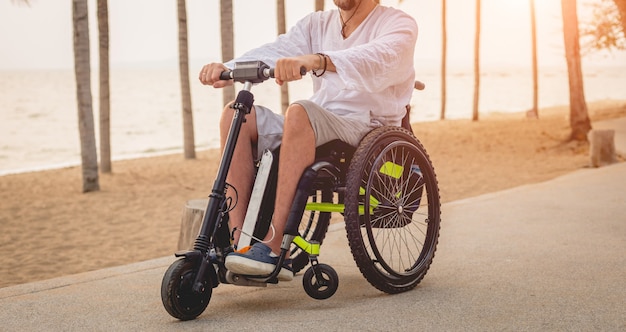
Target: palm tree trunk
pixel 534 112
pixel 228 48
pixel 444 56
pixel 281 24
pixel 476 64
pixel 579 118
pixel 105 98
pixel 88 152
pixel 183 62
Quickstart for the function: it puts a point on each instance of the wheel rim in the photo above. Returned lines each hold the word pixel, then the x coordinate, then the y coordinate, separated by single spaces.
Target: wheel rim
pixel 188 300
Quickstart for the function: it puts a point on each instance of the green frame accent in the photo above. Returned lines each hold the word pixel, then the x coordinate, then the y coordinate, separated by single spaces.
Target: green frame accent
pixel 325 207
pixel 313 248
pixel 388 168
pixel 308 247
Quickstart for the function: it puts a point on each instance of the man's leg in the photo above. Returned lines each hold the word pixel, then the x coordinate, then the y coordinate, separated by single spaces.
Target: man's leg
pixel 296 153
pixel 241 172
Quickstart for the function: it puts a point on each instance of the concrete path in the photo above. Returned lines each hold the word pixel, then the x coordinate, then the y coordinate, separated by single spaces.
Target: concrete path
pixel 542 257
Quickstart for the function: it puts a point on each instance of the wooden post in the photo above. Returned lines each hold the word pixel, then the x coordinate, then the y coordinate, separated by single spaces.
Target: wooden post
pixel 190 223
pixel 602 147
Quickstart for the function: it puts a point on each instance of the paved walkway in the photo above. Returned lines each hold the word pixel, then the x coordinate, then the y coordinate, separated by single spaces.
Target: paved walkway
pixel 542 257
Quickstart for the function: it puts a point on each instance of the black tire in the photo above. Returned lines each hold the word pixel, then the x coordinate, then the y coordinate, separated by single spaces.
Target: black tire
pixel 393 242
pixel 313 227
pixel 177 295
pixel 320 288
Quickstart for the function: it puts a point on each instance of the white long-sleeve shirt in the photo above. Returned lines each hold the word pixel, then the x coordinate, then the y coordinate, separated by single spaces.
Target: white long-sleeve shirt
pixel 375 74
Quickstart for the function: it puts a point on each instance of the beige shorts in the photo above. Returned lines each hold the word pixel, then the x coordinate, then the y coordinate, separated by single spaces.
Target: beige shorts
pixel 326 126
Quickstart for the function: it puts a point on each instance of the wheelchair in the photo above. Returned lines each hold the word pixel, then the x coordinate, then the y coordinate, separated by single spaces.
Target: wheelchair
pixel 385 188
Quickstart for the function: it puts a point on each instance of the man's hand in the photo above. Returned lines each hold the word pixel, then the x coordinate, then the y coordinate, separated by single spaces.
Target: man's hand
pixel 288 69
pixel 210 75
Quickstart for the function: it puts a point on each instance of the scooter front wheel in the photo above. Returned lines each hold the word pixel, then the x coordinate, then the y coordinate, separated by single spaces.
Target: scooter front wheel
pixel 177 294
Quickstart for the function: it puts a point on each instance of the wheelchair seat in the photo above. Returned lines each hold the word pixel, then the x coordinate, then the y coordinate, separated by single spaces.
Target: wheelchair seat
pixel 340 153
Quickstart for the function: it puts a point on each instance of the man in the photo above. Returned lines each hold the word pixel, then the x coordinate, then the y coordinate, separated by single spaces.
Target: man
pixel 361 58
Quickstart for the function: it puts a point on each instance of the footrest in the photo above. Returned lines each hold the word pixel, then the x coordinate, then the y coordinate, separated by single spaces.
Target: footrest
pixel 240 280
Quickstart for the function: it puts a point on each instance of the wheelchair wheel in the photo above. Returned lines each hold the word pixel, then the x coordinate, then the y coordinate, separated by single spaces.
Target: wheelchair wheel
pixel 392 209
pixel 313 226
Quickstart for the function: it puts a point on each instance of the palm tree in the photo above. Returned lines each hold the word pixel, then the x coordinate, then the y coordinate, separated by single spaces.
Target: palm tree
pixel 282 28
pixel 444 54
pixel 476 63
pixel 534 112
pixel 607 29
pixel 105 98
pixel 228 48
pixel 89 156
pixel 579 118
pixel 183 62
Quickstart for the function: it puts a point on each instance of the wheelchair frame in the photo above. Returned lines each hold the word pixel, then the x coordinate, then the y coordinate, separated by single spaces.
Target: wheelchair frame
pixel 379 186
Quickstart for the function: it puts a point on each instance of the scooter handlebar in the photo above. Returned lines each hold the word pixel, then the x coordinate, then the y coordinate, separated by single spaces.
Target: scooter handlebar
pixel 254 72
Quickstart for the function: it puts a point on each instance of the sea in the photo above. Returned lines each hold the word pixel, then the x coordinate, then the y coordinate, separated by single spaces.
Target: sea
pixel 39 118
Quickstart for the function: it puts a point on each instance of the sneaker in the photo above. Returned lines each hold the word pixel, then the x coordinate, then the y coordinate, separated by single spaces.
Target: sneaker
pixel 257 262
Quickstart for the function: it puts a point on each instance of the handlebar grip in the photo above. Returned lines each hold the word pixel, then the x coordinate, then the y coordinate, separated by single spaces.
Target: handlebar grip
pixel 262 73
pixel 226 75
pixel 302 71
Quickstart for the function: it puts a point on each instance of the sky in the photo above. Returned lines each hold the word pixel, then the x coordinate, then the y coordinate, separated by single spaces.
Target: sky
pixel 144 32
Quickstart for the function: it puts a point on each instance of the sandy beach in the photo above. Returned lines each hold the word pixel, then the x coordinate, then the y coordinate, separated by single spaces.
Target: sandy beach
pixel 50 228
